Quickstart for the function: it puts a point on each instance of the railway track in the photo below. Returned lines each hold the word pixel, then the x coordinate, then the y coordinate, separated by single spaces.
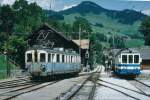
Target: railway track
pixel 7 95
pixel 134 94
pixel 142 87
pixel 13 88
pixel 89 84
pixel 15 83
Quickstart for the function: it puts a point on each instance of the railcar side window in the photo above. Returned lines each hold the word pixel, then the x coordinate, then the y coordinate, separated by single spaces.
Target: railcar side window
pixel 53 57
pixel 124 58
pixel 71 59
pixel 76 59
pixel 63 58
pixel 29 57
pixel 58 58
pixel 42 57
pixel 136 58
pixel 49 57
pixel 130 58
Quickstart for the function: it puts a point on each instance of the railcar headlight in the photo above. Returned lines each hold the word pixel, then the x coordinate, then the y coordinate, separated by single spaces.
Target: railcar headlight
pixel 119 59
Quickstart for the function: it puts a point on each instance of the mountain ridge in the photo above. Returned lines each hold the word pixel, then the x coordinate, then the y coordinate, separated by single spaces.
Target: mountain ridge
pixel 91 7
pixel 101 19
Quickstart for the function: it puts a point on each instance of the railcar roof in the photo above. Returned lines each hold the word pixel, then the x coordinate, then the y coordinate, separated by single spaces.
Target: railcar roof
pixel 117 52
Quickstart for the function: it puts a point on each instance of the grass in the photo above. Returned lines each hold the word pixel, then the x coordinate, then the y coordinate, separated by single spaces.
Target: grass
pixel 3 67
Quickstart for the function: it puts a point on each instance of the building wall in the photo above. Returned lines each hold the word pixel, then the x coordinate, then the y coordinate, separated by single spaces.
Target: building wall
pixel 145 64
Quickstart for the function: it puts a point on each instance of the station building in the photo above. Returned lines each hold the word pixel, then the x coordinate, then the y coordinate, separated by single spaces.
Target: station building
pixel 47 36
pixel 84 44
pixel 145 55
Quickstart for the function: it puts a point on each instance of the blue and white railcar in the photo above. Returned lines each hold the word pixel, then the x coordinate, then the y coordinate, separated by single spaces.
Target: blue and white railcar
pixel 45 62
pixel 127 62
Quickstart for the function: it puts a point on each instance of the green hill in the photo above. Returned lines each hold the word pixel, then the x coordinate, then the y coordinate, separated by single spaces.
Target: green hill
pixel 103 20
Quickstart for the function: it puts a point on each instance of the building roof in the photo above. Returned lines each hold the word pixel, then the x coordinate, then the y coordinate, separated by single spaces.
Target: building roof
pixel 47 35
pixel 85 43
pixel 127 50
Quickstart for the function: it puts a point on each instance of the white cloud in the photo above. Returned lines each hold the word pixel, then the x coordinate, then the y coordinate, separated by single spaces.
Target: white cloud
pixel 69 6
pixel 7 2
pixel 147 12
pixel 42 3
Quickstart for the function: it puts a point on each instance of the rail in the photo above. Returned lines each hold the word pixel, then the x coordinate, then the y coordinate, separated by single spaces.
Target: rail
pixel 69 95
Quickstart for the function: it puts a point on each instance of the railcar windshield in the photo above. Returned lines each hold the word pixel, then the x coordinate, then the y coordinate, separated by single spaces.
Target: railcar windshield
pixel 124 58
pixel 29 57
pixel 42 57
pixel 130 58
pixel 136 58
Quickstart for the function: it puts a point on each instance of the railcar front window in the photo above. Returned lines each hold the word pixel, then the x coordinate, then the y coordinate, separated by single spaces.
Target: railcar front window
pixel 29 57
pixel 136 58
pixel 42 57
pixel 130 58
pixel 124 58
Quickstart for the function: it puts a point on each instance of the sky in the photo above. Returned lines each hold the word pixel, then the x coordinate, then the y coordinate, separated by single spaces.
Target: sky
pixel 139 5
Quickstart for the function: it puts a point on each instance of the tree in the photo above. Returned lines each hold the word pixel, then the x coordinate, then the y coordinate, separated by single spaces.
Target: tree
pixel 145 29
pixel 7 19
pixel 84 25
pixel 17 47
pixel 28 16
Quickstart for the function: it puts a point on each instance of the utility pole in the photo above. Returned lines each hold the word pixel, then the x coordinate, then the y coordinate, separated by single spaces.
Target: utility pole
pixel 50 6
pixel 80 40
pixel 113 41
pixel 7 52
